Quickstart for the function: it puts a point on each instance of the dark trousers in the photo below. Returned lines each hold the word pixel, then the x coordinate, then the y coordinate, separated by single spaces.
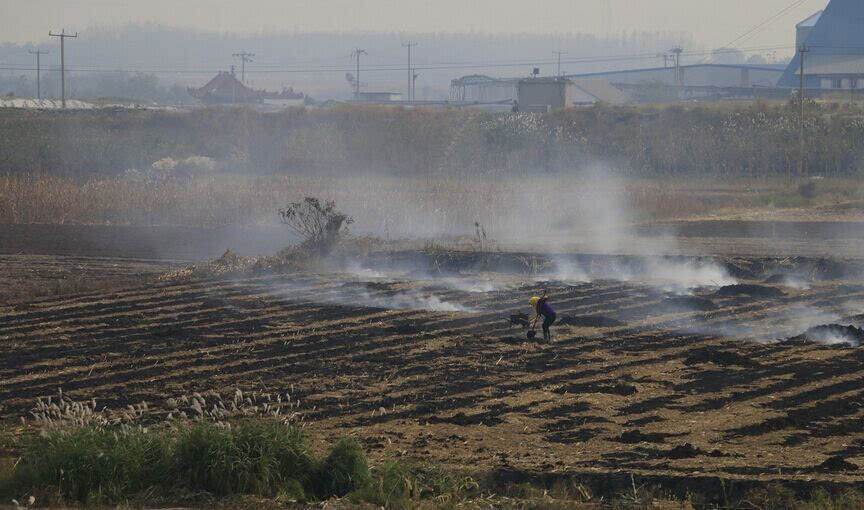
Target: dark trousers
pixel 547 322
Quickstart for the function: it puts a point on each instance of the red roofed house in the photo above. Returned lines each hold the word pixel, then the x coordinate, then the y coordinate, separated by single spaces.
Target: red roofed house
pixel 225 88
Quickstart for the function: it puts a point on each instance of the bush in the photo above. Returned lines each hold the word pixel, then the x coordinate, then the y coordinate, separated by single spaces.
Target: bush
pixel 344 470
pixel 808 190
pixel 393 486
pixel 319 224
pixel 89 464
pixel 261 458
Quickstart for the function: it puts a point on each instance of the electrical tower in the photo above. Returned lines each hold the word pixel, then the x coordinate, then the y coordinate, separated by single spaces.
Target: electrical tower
pixel 63 35
pixel 408 45
pixel 244 57
pixel 356 54
pixel 38 54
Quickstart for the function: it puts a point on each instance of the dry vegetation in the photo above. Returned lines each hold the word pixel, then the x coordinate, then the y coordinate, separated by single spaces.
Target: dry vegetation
pixel 753 140
pixel 390 205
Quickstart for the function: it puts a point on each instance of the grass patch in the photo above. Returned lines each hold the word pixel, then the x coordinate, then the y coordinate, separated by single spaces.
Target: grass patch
pixel 344 470
pixel 91 465
pixel 253 457
pixel 266 464
pixel 94 465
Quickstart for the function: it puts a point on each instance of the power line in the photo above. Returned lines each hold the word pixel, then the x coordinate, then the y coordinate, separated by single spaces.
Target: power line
pixel 244 57
pixel 762 25
pixel 399 67
pixel 559 60
pixel 408 45
pixel 356 53
pixel 802 51
pixel 38 54
pixel 63 35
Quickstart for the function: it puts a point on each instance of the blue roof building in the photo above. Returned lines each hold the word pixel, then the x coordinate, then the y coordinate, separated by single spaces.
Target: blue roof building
pixel 834 44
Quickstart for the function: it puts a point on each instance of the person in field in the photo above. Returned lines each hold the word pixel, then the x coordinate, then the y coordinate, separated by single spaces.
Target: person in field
pixel 540 307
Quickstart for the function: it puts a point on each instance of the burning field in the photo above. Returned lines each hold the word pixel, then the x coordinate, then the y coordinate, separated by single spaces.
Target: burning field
pixel 681 370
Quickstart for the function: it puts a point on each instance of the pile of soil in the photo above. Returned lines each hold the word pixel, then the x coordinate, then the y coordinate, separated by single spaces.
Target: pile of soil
pixel 718 357
pixel 684 451
pixel 836 463
pixel 590 321
pixel 688 304
pixel 637 436
pixel 464 420
pixel 830 334
pixel 750 290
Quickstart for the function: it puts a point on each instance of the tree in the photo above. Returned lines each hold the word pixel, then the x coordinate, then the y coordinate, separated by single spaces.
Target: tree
pixel 319 224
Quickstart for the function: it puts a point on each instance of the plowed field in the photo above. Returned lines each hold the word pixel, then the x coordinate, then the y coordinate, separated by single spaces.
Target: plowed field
pixel 638 379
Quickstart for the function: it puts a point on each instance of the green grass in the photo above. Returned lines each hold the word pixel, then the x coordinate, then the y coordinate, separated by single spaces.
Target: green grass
pixel 252 457
pixel 112 465
pixel 266 464
pixel 88 464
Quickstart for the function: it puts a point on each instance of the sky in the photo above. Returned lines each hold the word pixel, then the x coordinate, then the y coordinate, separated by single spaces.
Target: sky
pixel 712 23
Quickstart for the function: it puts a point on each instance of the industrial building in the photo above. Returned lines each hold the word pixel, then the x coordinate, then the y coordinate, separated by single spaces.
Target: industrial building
pixel 833 44
pixel 697 81
pixel 539 95
pixel 833 40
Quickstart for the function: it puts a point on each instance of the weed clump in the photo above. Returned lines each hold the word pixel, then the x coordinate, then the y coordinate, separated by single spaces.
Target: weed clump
pixel 106 465
pixel 344 470
pixel 254 457
pixel 89 464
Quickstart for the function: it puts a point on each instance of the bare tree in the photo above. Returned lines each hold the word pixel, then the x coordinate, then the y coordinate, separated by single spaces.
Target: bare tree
pixel 320 224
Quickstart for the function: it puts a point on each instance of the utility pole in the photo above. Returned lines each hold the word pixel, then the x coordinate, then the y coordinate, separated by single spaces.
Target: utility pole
pixel 356 53
pixel 63 35
pixel 410 71
pixel 38 54
pixel 666 59
pixel 244 57
pixel 559 61
pixel 414 76
pixel 802 51
pixel 677 52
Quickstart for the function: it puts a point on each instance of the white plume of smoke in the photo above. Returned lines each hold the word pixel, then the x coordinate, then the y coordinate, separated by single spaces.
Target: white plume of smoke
pixel 602 221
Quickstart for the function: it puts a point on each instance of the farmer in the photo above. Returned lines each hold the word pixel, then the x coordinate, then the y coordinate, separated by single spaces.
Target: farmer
pixel 540 305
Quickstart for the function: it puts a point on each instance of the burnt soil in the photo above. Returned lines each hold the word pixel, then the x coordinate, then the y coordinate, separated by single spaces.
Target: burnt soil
pixel 646 390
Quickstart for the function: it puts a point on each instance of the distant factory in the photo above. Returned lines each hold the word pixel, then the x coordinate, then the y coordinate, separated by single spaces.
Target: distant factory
pixel 831 41
pixel 832 45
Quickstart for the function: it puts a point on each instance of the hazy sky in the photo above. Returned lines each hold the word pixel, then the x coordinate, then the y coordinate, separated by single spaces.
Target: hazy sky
pixel 711 22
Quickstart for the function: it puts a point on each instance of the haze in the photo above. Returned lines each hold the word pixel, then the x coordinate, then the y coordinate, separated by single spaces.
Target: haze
pixel 711 22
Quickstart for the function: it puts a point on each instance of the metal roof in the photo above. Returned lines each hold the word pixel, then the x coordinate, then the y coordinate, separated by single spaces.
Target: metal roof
pixel 838 31
pixel 811 21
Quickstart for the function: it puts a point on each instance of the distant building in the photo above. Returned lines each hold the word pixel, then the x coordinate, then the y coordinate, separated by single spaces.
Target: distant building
pixel 380 97
pixel 697 81
pixel 225 88
pixel 478 88
pixel 803 29
pixel 834 40
pixel 544 94
pixel 597 90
